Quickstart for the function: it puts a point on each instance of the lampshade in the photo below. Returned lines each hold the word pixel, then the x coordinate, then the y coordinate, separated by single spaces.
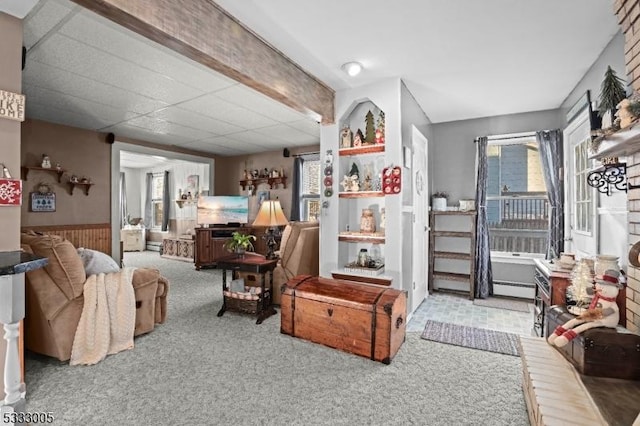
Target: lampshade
pixel 270 214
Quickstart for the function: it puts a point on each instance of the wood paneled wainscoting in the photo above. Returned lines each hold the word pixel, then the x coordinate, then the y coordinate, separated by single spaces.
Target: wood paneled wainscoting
pixel 93 236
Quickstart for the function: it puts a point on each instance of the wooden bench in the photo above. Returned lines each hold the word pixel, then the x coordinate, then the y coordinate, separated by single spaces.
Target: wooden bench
pixel 553 390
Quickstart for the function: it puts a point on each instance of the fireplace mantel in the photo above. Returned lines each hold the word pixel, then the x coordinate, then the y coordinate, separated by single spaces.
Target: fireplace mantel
pixel 620 144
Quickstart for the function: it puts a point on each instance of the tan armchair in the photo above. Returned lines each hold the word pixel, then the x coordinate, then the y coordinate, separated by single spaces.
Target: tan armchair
pixel 54 298
pixel 299 252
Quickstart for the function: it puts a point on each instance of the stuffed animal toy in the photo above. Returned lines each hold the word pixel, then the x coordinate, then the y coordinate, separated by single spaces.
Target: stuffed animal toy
pixel 603 310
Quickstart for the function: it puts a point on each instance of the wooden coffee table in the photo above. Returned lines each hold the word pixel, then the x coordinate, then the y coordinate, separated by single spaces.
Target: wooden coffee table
pixel 254 263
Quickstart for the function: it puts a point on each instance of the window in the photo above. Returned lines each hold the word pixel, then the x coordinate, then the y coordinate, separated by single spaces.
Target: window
pixel 157 189
pixel 583 202
pixel 310 188
pixel 517 205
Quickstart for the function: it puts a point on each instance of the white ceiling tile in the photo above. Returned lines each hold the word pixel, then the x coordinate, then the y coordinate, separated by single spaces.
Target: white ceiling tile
pixel 142 134
pixel 248 98
pixel 79 58
pixel 220 149
pixel 288 134
pixel 79 106
pixel 118 41
pixel 37 25
pixel 157 125
pixel 195 120
pixel 212 106
pixel 310 127
pixel 54 114
pixel 254 138
pixel 42 75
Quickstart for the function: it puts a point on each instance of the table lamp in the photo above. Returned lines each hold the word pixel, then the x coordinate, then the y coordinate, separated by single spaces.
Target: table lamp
pixel 270 215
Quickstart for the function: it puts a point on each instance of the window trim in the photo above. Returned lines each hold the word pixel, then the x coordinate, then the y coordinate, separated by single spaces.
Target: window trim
pixel 505 140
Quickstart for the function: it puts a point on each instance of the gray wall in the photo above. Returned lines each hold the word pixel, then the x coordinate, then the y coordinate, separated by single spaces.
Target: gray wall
pixel 454 152
pixel 612 55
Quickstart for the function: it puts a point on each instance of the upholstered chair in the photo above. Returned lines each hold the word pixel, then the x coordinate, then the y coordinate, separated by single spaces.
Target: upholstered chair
pixel 299 254
pixel 54 298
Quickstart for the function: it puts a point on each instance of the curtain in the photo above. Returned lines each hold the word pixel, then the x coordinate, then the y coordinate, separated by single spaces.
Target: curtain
pixel 551 157
pixel 483 285
pixel 123 201
pixel 296 192
pixel 166 202
pixel 147 201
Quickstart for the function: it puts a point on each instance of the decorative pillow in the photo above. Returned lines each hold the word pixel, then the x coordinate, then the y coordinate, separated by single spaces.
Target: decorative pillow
pixel 95 262
pixel 64 267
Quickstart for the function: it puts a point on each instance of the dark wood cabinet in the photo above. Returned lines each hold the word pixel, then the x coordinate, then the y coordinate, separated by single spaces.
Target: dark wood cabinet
pixel 210 244
pixel 551 289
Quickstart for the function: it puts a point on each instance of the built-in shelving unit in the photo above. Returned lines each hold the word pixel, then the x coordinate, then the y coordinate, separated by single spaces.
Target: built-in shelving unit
pixel 369 159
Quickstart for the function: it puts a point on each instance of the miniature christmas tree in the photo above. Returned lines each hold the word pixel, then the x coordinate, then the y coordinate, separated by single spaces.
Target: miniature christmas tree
pixel 354 170
pixel 370 131
pixel 611 92
pixel 380 128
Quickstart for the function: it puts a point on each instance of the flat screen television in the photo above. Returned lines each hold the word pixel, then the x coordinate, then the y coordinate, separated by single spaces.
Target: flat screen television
pixel 223 210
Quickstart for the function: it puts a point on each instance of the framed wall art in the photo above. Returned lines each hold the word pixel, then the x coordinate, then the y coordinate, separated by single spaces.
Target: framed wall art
pixel 43 202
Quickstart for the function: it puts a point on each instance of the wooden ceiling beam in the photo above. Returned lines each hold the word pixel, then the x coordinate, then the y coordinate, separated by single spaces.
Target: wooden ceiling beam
pixel 204 32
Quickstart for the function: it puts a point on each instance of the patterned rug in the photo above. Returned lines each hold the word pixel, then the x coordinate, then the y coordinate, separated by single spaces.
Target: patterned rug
pixel 470 337
pixel 509 304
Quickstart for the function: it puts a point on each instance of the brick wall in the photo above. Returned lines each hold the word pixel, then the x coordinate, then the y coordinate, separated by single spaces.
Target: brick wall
pixel 628 12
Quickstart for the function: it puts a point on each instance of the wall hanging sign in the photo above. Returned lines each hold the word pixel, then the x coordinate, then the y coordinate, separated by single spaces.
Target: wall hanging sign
pixel 10 192
pixel 328 174
pixel 44 199
pixel 391 180
pixel 43 202
pixel 11 105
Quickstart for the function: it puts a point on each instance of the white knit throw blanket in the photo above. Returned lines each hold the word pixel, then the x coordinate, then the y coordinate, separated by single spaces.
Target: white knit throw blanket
pixel 108 318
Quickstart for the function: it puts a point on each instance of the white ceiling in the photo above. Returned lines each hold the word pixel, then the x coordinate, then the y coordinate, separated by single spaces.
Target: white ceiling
pixel 134 160
pixel 461 59
pixel 85 71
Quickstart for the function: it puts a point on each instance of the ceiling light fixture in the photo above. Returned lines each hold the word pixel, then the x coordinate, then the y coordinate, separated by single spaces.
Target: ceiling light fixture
pixel 352 68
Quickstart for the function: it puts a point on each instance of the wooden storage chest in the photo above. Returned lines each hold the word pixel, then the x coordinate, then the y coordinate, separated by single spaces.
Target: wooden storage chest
pixel 362 319
pixel 601 352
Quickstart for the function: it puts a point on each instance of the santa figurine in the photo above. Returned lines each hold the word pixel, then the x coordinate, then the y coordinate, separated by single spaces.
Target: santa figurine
pixel 603 310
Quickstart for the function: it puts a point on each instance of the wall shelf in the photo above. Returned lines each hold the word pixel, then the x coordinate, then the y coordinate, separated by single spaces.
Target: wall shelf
pixel 361 194
pixel 619 144
pixel 272 182
pixel 181 203
pixel 359 150
pixel 59 173
pixel 356 237
pixel 86 187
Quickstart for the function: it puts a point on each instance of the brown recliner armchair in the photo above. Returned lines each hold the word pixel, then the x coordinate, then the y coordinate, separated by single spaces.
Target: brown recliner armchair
pixel 299 253
pixel 54 298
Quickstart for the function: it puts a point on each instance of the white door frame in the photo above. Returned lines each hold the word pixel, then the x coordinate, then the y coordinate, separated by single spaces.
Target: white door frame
pixel 583 244
pixel 420 250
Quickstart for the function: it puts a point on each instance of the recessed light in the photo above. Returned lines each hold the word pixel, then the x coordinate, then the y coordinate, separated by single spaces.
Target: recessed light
pixel 158 157
pixel 352 68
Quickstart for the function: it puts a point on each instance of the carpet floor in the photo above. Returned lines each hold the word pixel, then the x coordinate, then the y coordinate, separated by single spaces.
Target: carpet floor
pixel 200 369
pixel 471 337
pixel 508 304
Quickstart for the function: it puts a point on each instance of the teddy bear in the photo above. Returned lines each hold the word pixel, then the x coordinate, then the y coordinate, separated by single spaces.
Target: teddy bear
pixel 603 310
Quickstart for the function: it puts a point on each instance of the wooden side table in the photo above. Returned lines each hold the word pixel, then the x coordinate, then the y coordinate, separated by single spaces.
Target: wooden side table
pixel 254 263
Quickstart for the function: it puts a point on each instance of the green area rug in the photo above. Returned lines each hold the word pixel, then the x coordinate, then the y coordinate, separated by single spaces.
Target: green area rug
pixel 471 337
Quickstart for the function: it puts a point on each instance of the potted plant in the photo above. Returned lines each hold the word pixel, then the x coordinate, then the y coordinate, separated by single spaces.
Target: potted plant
pixel 240 243
pixel 440 201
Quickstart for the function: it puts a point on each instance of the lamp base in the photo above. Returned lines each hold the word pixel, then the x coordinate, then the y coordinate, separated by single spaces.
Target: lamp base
pixel 271 245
